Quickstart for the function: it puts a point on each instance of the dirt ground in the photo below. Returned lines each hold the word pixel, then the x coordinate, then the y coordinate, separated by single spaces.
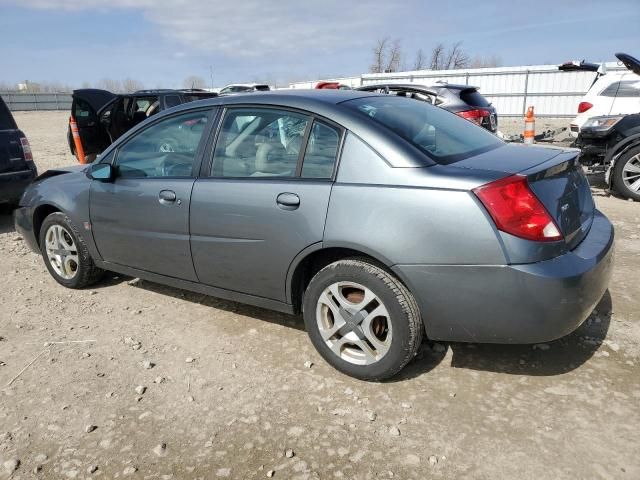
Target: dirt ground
pixel 228 393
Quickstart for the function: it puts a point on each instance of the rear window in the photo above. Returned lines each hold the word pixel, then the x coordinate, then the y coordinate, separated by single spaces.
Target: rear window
pixel 6 119
pixel 443 136
pixel 473 98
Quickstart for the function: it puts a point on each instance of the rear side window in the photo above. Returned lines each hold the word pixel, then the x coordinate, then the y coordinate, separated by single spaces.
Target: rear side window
pixel 322 150
pixel 172 101
pixel 6 119
pixel 627 88
pixel 258 143
pixel 441 135
pixel 473 98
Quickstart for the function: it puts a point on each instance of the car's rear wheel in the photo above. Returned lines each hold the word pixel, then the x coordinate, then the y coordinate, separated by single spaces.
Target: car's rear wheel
pixel 361 319
pixel 65 254
pixel 626 174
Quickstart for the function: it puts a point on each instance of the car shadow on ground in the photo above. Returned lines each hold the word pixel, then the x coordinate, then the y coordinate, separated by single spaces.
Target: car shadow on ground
pixel 547 359
pixel 6 219
pixel 286 320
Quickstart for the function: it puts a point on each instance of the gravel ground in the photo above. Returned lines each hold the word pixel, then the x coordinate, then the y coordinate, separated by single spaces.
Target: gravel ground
pixel 133 379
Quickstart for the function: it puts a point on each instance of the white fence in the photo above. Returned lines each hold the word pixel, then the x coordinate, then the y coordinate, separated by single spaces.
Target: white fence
pixel 554 93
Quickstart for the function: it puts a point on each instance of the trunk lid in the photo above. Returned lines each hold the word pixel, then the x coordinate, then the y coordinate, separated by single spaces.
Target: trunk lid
pixel 555 176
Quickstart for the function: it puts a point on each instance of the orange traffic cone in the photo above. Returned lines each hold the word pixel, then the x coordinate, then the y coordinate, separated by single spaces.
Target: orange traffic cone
pixel 529 126
pixel 76 140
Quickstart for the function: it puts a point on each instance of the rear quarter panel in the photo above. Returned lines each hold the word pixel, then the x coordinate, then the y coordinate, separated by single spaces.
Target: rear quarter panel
pixel 408 215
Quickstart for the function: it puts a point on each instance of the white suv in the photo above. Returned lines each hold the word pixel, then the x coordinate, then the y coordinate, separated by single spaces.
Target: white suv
pixel 612 94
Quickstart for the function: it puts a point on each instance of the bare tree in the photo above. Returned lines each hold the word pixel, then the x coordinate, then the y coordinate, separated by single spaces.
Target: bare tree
pixel 485 62
pixel 194 81
pixel 130 85
pixel 421 61
pixel 395 57
pixel 456 58
pixel 86 84
pixel 443 59
pixel 379 56
pixel 110 85
pixel 437 55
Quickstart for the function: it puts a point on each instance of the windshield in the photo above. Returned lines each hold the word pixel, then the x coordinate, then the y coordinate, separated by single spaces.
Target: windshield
pixel 443 136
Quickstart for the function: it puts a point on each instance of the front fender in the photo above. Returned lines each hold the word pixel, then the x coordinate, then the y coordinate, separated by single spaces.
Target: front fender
pixel 67 192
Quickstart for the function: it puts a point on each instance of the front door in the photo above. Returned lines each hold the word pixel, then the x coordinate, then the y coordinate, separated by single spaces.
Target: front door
pixel 141 219
pixel 265 200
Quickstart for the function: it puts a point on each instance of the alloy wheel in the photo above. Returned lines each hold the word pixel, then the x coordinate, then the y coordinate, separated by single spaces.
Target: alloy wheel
pixel 631 173
pixel 354 323
pixel 61 251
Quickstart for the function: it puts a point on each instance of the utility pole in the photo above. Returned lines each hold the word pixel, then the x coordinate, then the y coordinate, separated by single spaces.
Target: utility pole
pixel 211 74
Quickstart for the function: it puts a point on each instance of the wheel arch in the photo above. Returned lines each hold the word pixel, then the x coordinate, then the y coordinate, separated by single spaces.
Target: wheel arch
pixel 39 214
pixel 317 256
pixel 616 152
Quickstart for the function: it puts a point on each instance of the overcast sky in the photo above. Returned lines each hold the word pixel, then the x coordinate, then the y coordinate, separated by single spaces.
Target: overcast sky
pixel 160 42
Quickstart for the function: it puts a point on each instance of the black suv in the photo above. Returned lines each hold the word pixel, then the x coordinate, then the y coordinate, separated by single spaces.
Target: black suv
pixel 17 169
pixel 463 100
pixel 103 116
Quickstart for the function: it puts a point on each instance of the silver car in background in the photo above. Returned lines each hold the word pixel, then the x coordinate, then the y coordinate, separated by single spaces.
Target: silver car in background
pixel 379 218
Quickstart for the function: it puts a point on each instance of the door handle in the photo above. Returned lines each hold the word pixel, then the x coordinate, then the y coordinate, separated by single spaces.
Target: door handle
pixel 288 201
pixel 167 196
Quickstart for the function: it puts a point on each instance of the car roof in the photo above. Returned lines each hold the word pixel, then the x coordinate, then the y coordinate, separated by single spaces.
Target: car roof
pixel 321 103
pixel 419 86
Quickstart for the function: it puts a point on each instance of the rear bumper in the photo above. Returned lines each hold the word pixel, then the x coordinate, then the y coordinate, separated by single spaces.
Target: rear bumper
pixel 23 220
pixel 13 184
pixel 528 303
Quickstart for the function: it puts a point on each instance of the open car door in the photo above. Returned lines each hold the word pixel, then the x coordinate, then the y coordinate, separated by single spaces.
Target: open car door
pixel 87 105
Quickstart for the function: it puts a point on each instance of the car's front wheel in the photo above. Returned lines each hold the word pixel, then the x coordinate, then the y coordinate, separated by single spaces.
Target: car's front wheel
pixel 362 319
pixel 626 174
pixel 65 254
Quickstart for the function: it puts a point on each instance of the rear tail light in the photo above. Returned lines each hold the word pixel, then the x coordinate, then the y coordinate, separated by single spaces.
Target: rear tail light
pixel 584 106
pixel 26 149
pixel 475 115
pixel 516 210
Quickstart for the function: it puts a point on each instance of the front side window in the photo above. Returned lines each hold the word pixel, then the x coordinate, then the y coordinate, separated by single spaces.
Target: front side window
pixel 441 135
pixel 165 149
pixel 259 142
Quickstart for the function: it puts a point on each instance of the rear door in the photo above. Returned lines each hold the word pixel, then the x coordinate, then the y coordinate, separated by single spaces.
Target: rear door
pixel 265 198
pixel 626 95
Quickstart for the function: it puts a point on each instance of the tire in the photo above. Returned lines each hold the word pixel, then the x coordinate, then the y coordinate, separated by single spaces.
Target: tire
pixel 626 174
pixel 74 268
pixel 372 300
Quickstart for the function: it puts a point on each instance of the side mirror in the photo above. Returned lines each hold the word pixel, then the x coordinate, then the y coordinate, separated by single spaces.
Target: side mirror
pixel 103 172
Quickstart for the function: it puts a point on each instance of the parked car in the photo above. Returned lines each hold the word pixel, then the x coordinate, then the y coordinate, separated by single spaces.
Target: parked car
pixel 332 86
pixel 614 93
pixel 612 143
pixel 380 218
pixel 244 88
pixel 17 169
pixel 103 116
pixel 463 100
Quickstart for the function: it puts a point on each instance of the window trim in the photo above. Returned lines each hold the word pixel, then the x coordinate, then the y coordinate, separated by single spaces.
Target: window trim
pixel 200 150
pixel 207 166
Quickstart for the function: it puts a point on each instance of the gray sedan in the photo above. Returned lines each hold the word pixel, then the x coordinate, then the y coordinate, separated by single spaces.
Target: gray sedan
pixel 379 218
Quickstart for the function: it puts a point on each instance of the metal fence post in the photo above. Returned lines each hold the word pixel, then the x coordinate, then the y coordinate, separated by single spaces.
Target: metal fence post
pixel 467 79
pixel 526 91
